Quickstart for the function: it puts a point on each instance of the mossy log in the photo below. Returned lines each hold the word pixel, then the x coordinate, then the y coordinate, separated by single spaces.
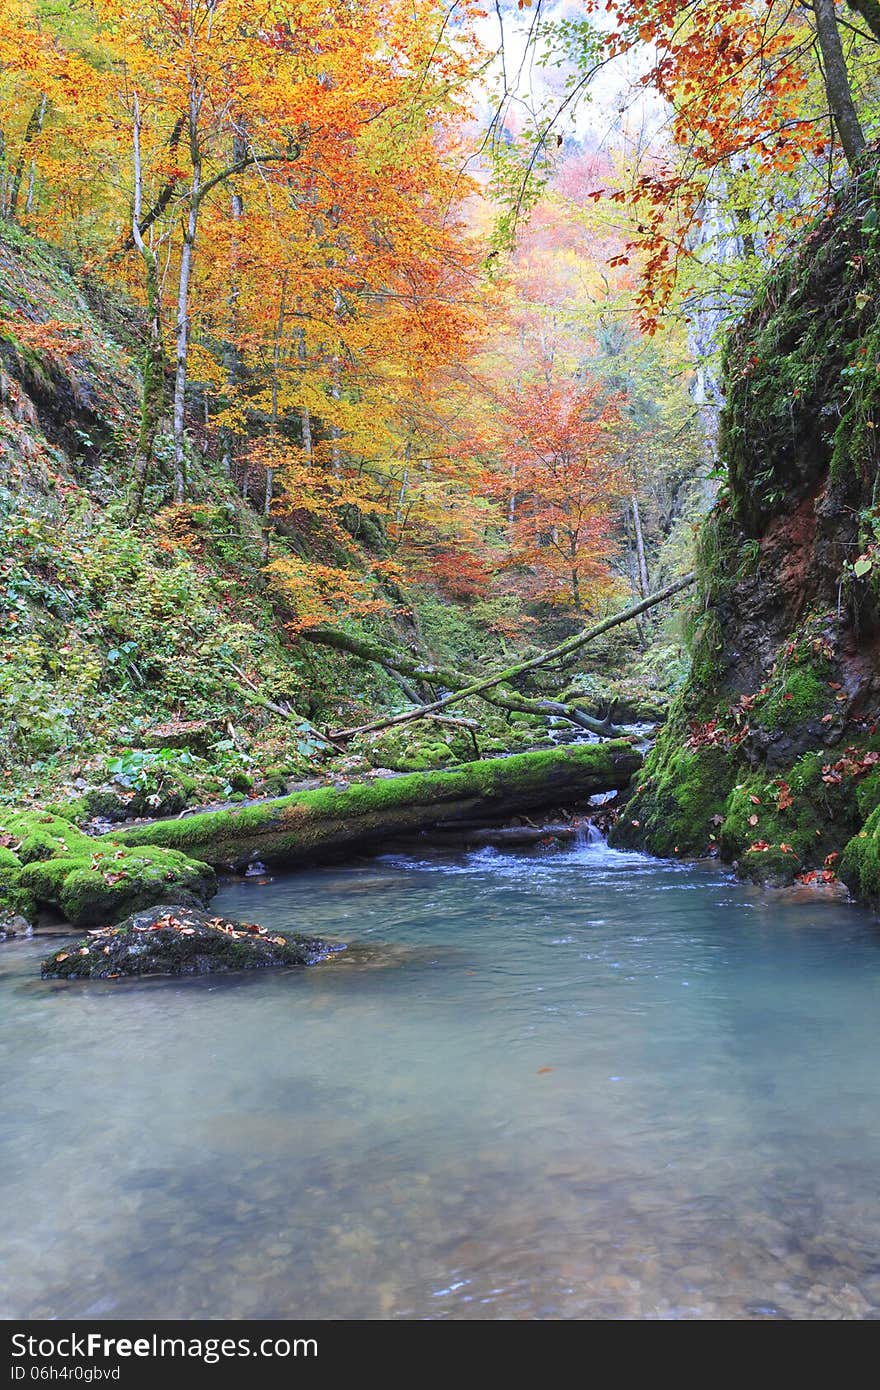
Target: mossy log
pixel 330 822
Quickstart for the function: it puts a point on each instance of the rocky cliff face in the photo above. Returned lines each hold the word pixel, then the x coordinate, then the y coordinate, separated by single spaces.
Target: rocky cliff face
pixel 771 755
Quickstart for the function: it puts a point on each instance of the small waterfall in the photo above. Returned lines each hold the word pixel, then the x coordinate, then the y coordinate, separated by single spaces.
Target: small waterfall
pixel 588 834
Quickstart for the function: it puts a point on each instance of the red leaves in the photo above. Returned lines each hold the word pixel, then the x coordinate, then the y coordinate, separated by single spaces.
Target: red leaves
pixel 708 734
pixel 785 799
pixel 854 763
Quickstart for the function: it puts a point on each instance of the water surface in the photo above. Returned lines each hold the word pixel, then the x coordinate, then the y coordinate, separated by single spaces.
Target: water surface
pixel 562 1085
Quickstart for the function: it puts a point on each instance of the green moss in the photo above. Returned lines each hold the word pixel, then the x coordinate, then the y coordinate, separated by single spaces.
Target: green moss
pixel 868 793
pixel 803 697
pixel 774 866
pixel 73 811
pixel 798 809
pixel 680 792
pixel 10 875
pixel 715 551
pixel 41 835
pixel 860 862
pixel 55 865
pixel 800 370
pixel 111 882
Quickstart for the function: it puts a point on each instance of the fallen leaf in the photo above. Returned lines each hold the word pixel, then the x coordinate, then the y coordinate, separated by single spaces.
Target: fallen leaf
pixel 785 797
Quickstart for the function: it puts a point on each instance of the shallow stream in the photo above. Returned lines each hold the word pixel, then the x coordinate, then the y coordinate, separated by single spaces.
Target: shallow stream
pixel 544 1085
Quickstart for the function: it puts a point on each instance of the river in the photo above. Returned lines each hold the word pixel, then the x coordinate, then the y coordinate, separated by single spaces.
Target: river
pixel 581 1084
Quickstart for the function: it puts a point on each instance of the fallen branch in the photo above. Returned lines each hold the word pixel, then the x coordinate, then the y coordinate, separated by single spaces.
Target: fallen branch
pixel 249 692
pixel 391 660
pixel 367 650
pixel 311 827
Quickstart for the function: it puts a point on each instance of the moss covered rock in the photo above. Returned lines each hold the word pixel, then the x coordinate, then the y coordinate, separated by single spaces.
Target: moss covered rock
pixel 677 804
pixel 54 865
pixel 767 757
pixel 175 939
pixel 860 861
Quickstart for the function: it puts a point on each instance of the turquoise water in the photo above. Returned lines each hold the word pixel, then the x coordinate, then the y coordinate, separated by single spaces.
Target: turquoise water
pixel 572 1085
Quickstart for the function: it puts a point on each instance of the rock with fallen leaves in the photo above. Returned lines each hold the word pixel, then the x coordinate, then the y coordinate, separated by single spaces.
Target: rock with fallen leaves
pixel 176 940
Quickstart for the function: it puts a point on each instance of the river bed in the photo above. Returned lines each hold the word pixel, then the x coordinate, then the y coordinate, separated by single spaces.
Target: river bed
pixel 575 1084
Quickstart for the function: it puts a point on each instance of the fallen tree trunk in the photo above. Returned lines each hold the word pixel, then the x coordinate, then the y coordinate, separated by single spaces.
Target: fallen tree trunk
pixel 519 835
pixel 399 664
pixel 332 637
pixel 331 822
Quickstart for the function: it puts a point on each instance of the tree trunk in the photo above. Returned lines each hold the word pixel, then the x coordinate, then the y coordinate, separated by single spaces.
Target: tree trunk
pixel 837 84
pixel 32 176
pixel 331 637
pixel 335 431
pixel 870 13
pixel 640 547
pixel 273 423
pixel 153 387
pixel 183 283
pixel 305 414
pixel 404 484
pixel 309 827
pixel 32 130
pixel 232 357
pixel 632 572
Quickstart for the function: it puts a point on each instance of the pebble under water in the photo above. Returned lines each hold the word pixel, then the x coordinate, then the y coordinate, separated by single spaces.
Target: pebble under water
pixel 581 1084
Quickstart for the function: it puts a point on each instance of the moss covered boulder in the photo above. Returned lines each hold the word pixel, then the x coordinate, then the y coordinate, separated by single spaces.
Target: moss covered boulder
pixel 768 757
pixel 175 939
pixel 329 822
pixel 47 863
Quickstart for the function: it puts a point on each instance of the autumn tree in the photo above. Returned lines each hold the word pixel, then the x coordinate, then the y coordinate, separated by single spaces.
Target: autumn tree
pixel 764 99
pixel 559 436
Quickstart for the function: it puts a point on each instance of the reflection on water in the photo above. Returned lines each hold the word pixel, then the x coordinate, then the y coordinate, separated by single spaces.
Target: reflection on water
pixel 582 1084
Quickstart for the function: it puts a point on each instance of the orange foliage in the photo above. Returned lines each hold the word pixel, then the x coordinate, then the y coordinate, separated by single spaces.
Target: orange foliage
pixel 557 445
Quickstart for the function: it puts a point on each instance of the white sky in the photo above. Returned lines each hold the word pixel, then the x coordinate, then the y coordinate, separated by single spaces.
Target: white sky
pixel 616 110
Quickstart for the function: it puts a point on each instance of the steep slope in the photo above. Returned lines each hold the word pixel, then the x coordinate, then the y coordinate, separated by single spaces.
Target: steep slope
pixel 149 667
pixel 112 636
pixel 769 758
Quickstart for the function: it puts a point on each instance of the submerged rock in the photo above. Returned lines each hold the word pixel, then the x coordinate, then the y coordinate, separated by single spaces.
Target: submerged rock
pixel 178 940
pixel 13 924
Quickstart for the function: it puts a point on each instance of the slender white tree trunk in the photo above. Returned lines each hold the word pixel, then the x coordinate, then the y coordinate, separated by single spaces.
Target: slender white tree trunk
pixel 183 284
